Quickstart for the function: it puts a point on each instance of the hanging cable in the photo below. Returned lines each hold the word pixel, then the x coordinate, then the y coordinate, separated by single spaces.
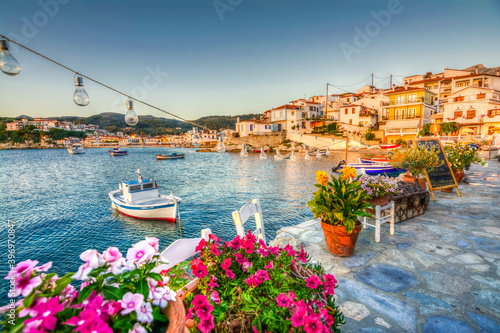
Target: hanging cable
pixel 352 85
pixel 102 84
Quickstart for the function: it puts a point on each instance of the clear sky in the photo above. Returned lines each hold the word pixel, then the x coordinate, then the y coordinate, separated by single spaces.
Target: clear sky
pixel 228 57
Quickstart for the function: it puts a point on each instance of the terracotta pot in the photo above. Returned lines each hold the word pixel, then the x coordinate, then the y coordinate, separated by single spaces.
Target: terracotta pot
pixel 176 313
pixel 338 241
pixel 459 176
pixel 381 201
pixel 409 179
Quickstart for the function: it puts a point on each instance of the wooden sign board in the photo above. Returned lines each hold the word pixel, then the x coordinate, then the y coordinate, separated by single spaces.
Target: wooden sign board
pixel 441 177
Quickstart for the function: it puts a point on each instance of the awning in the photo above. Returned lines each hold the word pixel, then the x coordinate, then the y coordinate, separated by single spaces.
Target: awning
pixel 402 124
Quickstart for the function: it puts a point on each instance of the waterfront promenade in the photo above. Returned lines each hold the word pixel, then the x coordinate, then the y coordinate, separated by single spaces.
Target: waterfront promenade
pixel 440 272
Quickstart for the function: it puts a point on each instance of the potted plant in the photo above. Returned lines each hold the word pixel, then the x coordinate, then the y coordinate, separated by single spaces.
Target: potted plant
pixel 415 159
pixel 378 189
pixel 460 159
pixel 246 286
pixel 339 203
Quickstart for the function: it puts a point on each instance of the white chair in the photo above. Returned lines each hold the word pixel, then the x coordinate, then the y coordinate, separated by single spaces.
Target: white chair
pixel 379 219
pixel 248 210
pixel 179 251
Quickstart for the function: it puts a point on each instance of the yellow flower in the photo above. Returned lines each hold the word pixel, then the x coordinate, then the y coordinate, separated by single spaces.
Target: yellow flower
pixel 321 177
pixel 348 173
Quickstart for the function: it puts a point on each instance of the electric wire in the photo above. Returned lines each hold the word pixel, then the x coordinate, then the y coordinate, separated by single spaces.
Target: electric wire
pixel 102 84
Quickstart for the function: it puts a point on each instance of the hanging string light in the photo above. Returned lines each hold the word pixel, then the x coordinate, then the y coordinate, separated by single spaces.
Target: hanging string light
pixel 8 64
pixel 80 96
pixel 130 117
pixel 196 141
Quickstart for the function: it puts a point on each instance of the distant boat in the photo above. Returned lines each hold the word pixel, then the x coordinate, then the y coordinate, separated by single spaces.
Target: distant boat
pixel 307 156
pixel 140 199
pixel 374 159
pixel 258 150
pixel 244 150
pixel 263 153
pixel 118 152
pixel 77 148
pixel 173 156
pixel 374 168
pixel 389 146
pixel 293 157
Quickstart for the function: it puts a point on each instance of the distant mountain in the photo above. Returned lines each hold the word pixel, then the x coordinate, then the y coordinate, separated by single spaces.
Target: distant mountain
pixel 23 116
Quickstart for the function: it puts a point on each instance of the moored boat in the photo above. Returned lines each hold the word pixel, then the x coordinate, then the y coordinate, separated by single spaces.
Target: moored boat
pixel 173 156
pixel 374 168
pixel 140 199
pixel 77 148
pixel 389 146
pixel 377 159
pixel 118 152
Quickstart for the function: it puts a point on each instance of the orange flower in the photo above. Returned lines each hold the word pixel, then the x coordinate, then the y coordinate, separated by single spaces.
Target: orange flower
pixel 348 173
pixel 321 177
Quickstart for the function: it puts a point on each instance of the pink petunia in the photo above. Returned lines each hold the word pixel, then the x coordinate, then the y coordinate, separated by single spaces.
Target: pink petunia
pixel 302 256
pixel 299 317
pixel 199 300
pixel 246 265
pixel 283 300
pixel 274 250
pixel 262 274
pixel 329 280
pixel 313 282
pixel 255 329
pixel 211 283
pixel 201 245
pixel 312 324
pixel 270 265
pixel 289 250
pixel 262 244
pixel 200 271
pixel 214 238
pixel 263 252
pixel 226 263
pixel 236 243
pixel 204 311
pixel 214 250
pixel 325 318
pixel 214 297
pixel 206 324
pixel 229 274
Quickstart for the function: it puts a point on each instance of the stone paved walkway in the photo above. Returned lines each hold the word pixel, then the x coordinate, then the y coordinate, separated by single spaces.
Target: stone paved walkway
pixel 440 272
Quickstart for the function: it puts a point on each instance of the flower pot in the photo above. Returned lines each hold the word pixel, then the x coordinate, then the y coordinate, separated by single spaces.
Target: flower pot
pixel 338 241
pixel 459 176
pixel 176 313
pixel 381 201
pixel 409 179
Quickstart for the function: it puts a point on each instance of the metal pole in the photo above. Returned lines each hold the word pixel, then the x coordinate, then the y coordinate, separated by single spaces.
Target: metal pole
pixel 371 88
pixel 346 144
pixel 326 101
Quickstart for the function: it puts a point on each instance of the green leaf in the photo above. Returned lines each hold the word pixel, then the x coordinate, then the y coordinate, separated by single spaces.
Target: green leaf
pixel 124 322
pixel 85 292
pixel 29 299
pixel 155 276
pixel 62 283
pixel 142 287
pixel 113 293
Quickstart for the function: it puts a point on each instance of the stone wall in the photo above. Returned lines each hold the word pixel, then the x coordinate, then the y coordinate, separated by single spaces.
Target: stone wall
pixel 272 139
pixel 318 141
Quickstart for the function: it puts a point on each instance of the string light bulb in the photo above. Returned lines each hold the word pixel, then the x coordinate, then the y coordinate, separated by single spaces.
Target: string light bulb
pixel 8 64
pixel 196 141
pixel 221 148
pixel 80 97
pixel 130 117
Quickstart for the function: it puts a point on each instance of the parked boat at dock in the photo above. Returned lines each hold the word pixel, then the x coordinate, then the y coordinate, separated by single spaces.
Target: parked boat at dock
pixel 140 199
pixel 173 156
pixel 389 146
pixel 118 152
pixel 77 148
pixel 373 168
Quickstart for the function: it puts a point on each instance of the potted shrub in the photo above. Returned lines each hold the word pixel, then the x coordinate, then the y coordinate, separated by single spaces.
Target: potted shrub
pixel 339 203
pixel 378 189
pixel 246 286
pixel 460 159
pixel 415 159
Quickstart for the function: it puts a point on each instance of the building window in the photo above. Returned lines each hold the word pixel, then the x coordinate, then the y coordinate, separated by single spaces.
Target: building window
pixel 400 100
pixel 481 96
pixel 457 114
pixel 458 99
pixel 346 110
pixel 353 110
pixel 493 113
pixel 293 113
pixel 350 121
pixel 412 98
pixel 460 84
pixel 471 114
pixel 435 86
pixel 400 114
pixel 410 113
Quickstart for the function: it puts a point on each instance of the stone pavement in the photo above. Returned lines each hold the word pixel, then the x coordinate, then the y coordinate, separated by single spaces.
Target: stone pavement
pixel 440 272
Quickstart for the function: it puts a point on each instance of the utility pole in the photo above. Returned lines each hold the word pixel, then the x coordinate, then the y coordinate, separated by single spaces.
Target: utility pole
pixel 371 87
pixel 390 83
pixel 326 104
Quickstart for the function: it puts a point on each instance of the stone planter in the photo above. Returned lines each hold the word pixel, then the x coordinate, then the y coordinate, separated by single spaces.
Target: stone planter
pixel 381 201
pixel 339 242
pixel 409 179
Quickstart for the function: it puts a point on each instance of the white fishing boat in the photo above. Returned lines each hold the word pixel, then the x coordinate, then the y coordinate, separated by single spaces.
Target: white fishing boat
pixel 278 156
pixel 244 151
pixel 77 148
pixel 140 199
pixel 293 157
pixel 263 153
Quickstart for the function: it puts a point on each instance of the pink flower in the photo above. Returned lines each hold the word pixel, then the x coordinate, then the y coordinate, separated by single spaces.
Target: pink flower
pixel 292 296
pixel 283 300
pixel 112 256
pixel 229 274
pixel 312 324
pixel 140 253
pixel 270 265
pixel 212 284
pixel 22 267
pixel 201 245
pixel 98 325
pixel 214 250
pixel 46 313
pixel 226 263
pixel 325 318
pixel 31 310
pixel 214 297
pixel 131 302
pixel 206 324
pixel 252 281
pixel 262 244
pixel 25 285
pixel 85 318
pixel 44 267
pixel 111 307
pixel 204 311
pixel 190 314
pixel 262 274
pixel 263 252
pixel 138 329
pixel 214 238
pixel 255 329
pixel 145 313
pixel 302 256
pixel 246 265
pixel 198 301
pixel 239 258
pixel 236 243
pixel 329 280
pixel 274 250
pixel 313 282
pixel 162 295
pixel 299 316
pixel 200 271
pixel 289 250
pixel 92 260
pixel 153 242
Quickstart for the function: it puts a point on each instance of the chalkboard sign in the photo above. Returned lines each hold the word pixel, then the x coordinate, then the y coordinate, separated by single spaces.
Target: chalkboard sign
pixel 442 176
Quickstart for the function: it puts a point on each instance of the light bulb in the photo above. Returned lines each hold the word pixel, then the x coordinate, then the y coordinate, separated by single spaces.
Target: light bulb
pixel 221 148
pixel 8 64
pixel 80 96
pixel 196 141
pixel 130 117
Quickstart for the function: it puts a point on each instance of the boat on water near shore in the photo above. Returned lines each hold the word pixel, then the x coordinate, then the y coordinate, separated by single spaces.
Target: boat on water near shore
pixel 389 146
pixel 374 159
pixel 140 199
pixel 118 152
pixel 173 156
pixel 373 168
pixel 77 148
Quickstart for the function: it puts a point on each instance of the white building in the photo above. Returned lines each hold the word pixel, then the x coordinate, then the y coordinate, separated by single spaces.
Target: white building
pixel 253 127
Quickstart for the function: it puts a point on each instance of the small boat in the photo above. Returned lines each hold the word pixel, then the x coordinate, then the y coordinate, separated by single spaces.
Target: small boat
pixel 263 154
pixel 244 150
pixel 374 159
pixel 77 148
pixel 140 199
pixel 293 157
pixel 259 150
pixel 118 152
pixel 318 155
pixel 373 168
pixel 278 155
pixel 173 156
pixel 307 156
pixel 389 146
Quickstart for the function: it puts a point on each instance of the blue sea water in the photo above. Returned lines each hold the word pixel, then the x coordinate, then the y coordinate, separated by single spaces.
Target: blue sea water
pixel 60 206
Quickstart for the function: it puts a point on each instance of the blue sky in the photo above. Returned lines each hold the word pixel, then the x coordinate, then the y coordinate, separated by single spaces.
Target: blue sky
pixel 245 56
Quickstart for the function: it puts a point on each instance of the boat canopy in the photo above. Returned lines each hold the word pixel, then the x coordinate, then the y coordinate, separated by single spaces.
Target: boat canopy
pixel 134 191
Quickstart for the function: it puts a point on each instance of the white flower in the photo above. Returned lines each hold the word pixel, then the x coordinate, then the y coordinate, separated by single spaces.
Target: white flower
pixel 145 313
pixel 162 295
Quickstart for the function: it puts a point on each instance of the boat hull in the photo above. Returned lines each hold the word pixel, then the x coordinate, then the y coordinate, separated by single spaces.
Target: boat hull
pixel 372 168
pixel 389 146
pixel 166 157
pixel 76 151
pixel 118 153
pixel 166 211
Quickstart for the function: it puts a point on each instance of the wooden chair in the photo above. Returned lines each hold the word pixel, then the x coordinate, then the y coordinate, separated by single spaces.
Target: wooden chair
pixel 248 210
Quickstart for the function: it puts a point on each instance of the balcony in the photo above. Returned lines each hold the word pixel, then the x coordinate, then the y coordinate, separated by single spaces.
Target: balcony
pixel 366 114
